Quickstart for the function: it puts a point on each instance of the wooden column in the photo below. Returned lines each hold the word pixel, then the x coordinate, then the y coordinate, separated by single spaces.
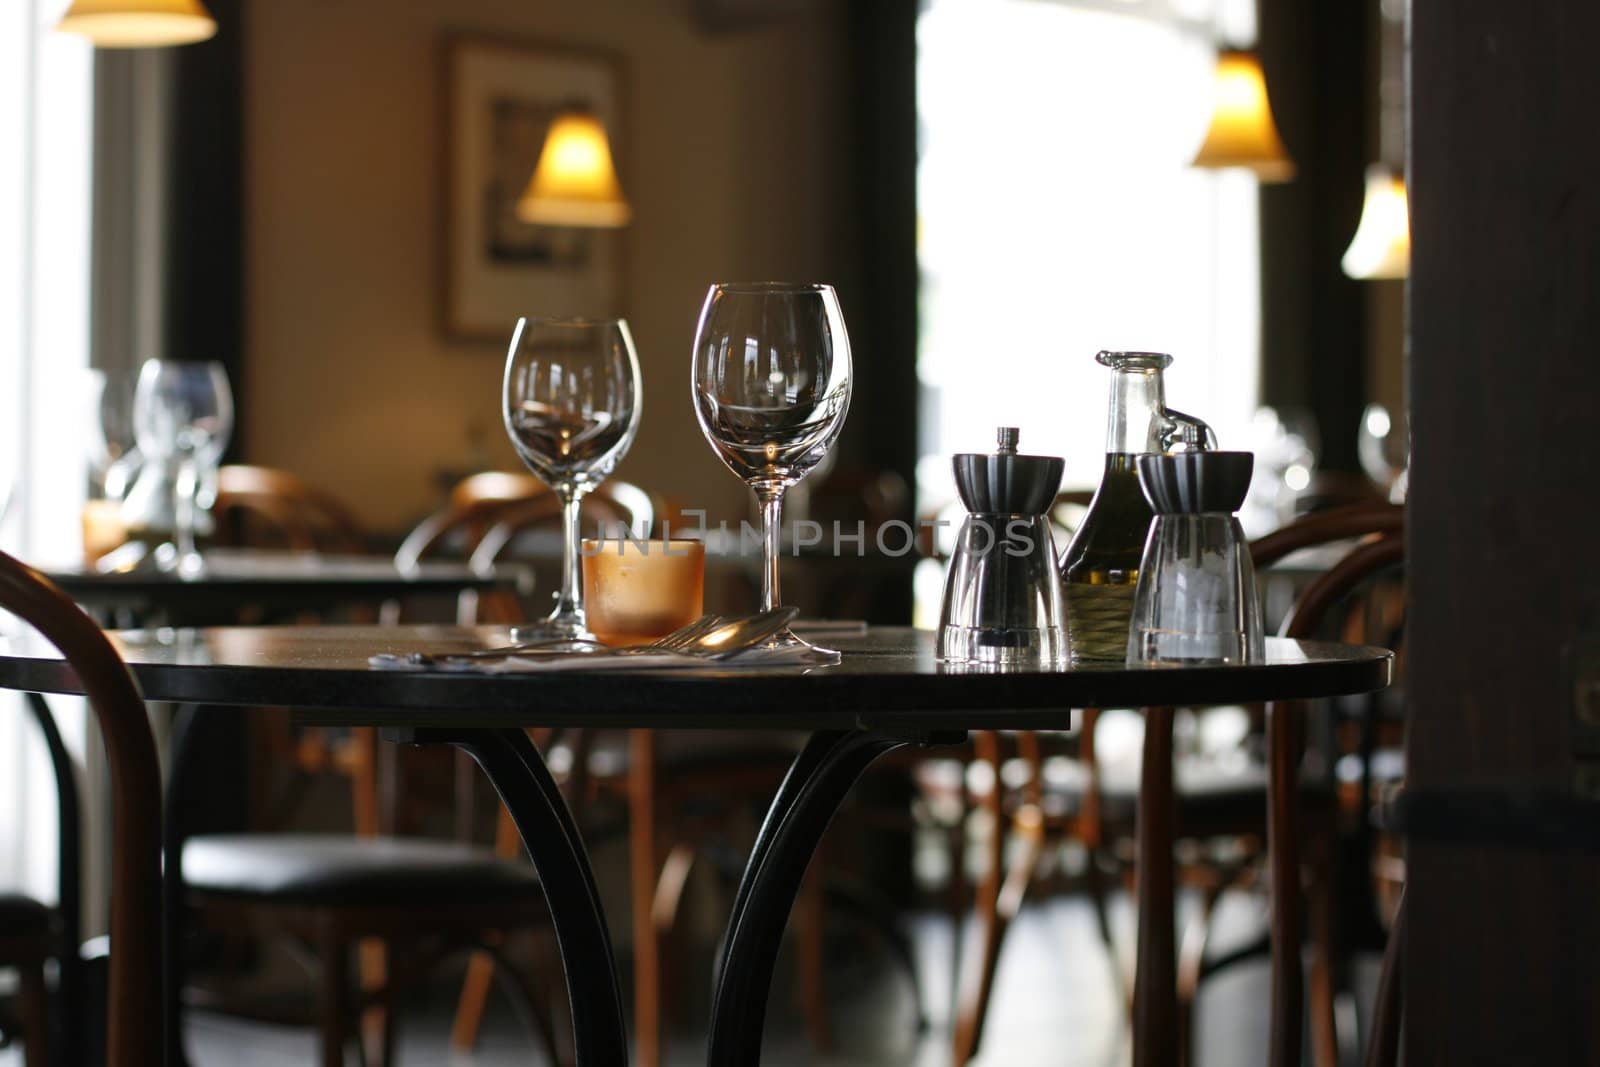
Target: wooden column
pixel 1501 961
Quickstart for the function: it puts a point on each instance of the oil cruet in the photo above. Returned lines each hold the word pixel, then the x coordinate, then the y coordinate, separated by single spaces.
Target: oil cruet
pixel 1100 566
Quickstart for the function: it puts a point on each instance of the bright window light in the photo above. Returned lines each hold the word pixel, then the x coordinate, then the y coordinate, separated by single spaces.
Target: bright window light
pixel 1058 217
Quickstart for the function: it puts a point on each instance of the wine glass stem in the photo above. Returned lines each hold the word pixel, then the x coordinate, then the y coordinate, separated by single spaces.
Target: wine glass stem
pixel 772 540
pixel 571 602
pixel 187 489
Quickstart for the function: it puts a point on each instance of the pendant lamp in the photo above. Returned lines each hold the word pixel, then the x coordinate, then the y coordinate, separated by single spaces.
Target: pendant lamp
pixel 138 23
pixel 1242 133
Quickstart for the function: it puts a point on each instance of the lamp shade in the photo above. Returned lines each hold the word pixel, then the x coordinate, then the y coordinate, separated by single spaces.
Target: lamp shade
pixel 575 183
pixel 1381 247
pixel 1242 133
pixel 138 23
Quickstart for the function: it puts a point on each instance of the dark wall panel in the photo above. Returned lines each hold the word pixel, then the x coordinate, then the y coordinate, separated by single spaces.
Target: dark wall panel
pixel 205 213
pixel 1313 332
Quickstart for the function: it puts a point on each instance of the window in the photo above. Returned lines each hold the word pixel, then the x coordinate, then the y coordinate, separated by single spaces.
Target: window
pixel 46 97
pixel 1058 217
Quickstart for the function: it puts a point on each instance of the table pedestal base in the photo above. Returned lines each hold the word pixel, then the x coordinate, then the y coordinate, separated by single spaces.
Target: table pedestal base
pixel 817 782
pixel 520 776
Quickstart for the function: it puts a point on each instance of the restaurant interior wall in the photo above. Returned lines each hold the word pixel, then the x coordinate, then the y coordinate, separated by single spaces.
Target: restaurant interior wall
pixel 734 152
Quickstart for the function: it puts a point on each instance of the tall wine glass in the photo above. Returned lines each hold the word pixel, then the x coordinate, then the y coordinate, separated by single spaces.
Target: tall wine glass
pixel 571 402
pixel 183 417
pixel 771 390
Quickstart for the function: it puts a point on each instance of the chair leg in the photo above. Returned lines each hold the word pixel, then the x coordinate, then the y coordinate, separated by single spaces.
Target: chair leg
pixel 642 875
pixel 33 1007
pixel 1191 964
pixel 809 954
pixel 1323 986
pixel 335 996
pixel 474 999
pixel 373 956
pixel 671 884
pixel 973 1004
pixel 391 1014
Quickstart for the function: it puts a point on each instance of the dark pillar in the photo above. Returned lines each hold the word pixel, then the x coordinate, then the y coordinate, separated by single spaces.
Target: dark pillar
pixel 1501 960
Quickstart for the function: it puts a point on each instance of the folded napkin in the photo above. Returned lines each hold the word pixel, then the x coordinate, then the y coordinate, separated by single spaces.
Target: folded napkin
pixel 594 661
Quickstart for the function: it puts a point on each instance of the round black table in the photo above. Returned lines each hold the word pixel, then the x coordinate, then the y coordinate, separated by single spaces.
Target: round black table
pixel 889 691
pixel 276 583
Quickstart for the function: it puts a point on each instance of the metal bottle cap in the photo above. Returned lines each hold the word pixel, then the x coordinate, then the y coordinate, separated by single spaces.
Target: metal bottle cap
pixel 1005 483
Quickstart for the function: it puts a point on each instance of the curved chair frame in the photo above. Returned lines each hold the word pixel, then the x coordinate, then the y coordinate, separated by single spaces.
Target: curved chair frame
pixel 1382 520
pixel 1283 837
pixel 309 519
pixel 133 1002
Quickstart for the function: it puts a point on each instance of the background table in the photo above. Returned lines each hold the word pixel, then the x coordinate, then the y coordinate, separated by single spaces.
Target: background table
pixel 889 691
pixel 275 583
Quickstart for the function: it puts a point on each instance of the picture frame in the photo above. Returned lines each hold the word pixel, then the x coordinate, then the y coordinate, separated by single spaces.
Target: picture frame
pixel 499 99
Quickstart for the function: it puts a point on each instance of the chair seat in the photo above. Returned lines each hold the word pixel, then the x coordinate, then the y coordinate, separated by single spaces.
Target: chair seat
pixel 343 871
pixel 1212 794
pixel 20 915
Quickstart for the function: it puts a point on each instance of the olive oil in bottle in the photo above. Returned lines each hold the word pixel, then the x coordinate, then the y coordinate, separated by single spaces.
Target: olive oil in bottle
pixel 1101 565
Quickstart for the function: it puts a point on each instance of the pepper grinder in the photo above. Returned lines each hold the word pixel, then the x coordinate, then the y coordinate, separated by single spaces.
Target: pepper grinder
pixel 1002 593
pixel 1196 596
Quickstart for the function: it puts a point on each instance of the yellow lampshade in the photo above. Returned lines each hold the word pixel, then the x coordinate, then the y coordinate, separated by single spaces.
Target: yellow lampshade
pixel 1381 247
pixel 575 183
pixel 139 23
pixel 1242 133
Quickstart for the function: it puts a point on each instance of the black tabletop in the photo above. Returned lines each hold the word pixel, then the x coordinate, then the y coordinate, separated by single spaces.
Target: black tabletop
pixel 889 676
pixel 270 580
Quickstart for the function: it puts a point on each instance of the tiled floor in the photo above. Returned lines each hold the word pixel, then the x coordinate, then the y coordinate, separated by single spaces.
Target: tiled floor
pixel 1055 1005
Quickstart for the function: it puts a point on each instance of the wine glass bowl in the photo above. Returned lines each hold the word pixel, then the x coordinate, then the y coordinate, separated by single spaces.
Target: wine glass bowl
pixel 182 418
pixel 771 387
pixel 571 401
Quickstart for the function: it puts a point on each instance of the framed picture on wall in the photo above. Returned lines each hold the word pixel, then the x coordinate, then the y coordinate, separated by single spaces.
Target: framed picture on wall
pixel 500 98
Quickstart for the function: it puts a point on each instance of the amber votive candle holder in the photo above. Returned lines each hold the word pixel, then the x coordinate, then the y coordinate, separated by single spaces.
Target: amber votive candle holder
pixel 102 529
pixel 637 591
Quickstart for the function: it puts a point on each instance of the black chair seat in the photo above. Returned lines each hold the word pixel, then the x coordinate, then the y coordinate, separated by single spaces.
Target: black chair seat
pixel 1212 794
pixel 20 915
pixel 357 872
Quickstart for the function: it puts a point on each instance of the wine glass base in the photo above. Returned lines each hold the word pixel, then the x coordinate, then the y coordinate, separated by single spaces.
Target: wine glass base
pixel 797 650
pixel 555 628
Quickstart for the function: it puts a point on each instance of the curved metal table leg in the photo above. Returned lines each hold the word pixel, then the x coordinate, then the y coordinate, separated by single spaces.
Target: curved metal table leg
pixel 519 775
pixel 817 782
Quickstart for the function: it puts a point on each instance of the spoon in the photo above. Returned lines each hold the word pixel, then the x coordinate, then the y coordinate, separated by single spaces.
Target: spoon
pixel 710 637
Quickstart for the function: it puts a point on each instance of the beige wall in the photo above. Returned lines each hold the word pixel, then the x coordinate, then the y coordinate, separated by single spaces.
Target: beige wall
pixel 735 159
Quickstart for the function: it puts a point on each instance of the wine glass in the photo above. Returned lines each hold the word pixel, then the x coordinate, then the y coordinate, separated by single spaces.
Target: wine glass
pixel 182 417
pixel 571 400
pixel 1383 445
pixel 771 390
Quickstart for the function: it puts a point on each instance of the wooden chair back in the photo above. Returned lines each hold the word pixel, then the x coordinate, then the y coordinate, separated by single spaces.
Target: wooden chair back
pixel 260 506
pixel 1326 527
pixel 134 998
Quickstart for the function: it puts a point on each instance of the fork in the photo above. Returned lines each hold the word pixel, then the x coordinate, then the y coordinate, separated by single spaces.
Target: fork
pixel 682 637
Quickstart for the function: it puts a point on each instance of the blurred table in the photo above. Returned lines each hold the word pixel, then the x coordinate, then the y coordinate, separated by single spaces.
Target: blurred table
pixel 275 584
pixel 889 691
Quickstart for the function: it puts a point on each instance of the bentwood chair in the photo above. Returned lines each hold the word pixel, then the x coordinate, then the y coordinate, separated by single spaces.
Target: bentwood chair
pixel 1070 795
pixel 261 506
pixel 329 895
pixel 133 1027
pixel 402 903
pixel 1320 602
